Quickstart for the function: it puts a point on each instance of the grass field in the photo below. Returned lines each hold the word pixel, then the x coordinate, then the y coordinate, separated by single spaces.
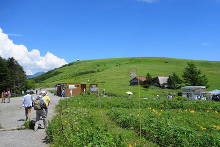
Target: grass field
pixel 113 74
pixel 89 120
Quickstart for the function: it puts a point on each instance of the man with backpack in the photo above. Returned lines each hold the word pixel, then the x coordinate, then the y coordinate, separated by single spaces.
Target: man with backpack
pixel 41 104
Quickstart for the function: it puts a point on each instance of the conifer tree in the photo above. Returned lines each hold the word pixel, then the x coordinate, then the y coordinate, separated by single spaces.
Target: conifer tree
pixel 192 76
pixel 174 81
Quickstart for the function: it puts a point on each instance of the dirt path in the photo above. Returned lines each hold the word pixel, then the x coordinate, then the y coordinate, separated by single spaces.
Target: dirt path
pixel 11 116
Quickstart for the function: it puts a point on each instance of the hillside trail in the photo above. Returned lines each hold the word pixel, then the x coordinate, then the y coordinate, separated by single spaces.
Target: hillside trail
pixel 11 116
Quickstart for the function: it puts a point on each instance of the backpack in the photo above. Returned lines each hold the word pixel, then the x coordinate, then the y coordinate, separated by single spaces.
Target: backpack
pixel 38 104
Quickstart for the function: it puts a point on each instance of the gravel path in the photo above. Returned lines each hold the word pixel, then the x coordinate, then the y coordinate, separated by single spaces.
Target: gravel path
pixel 11 116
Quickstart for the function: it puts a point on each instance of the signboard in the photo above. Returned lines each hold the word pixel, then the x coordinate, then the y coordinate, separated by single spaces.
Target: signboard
pixel 72 86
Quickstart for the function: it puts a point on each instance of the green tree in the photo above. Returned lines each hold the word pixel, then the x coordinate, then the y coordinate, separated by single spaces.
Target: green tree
pixel 174 81
pixel 193 76
pixel 4 75
pixel 17 76
pixel 148 81
pixel 29 84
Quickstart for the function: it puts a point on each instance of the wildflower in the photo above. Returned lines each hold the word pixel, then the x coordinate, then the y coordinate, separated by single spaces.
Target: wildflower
pixel 202 128
pixel 216 127
pixel 129 145
pixel 192 111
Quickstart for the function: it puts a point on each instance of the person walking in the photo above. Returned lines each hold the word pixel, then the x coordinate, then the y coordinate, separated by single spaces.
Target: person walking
pixel 9 96
pixel 41 106
pixel 63 92
pixel 46 100
pixel 3 97
pixel 27 104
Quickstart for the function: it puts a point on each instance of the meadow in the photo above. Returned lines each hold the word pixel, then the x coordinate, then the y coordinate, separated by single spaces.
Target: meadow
pixel 113 75
pixel 144 119
pixel 88 120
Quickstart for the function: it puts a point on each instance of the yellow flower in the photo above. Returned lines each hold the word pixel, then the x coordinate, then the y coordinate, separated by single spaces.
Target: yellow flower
pixel 192 111
pixel 129 145
pixel 216 127
pixel 202 128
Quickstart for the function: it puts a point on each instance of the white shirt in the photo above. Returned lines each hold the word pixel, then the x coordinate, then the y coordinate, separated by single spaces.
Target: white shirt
pixel 27 100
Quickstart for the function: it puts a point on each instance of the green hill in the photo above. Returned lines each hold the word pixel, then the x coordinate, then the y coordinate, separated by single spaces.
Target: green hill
pixel 113 74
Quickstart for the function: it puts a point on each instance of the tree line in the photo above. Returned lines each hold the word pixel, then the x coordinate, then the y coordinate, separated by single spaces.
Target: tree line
pixel 192 76
pixel 12 76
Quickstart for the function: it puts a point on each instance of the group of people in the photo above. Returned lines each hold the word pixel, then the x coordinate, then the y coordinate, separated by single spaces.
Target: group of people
pixel 4 95
pixel 40 104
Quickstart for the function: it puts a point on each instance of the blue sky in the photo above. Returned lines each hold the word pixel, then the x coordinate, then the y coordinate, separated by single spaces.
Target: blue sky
pixel 93 29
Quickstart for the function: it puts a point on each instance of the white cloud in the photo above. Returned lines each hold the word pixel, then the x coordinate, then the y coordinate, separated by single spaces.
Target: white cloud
pixel 32 61
pixel 148 1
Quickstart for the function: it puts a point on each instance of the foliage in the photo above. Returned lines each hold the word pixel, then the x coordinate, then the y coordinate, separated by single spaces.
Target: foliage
pixel 29 84
pixel 29 124
pixel 12 76
pixel 4 75
pixel 193 76
pixel 149 81
pixel 78 124
pixel 170 128
pixel 166 122
pixel 174 82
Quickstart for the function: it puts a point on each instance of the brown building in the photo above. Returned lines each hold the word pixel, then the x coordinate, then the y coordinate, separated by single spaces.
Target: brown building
pixel 138 81
pixel 70 89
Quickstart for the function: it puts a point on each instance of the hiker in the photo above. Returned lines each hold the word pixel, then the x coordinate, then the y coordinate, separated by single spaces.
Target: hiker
pixel 46 99
pixel 3 97
pixel 27 104
pixel 63 92
pixel 8 96
pixel 41 104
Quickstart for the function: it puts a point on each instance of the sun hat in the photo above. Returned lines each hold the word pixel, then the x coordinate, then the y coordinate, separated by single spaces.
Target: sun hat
pixel 43 92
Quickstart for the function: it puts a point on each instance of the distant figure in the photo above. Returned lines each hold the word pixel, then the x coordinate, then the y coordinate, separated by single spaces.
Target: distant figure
pixel 103 93
pixel 27 104
pixel 63 92
pixel 71 92
pixel 3 96
pixel 9 96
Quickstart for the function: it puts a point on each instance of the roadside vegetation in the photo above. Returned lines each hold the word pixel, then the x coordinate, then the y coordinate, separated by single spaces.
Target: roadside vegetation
pixel 88 120
pixel 12 76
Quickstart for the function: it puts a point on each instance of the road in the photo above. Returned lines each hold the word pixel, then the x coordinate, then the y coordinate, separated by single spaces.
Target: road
pixel 12 116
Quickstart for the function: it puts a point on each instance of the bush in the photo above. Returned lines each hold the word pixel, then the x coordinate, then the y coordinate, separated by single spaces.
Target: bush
pixel 29 124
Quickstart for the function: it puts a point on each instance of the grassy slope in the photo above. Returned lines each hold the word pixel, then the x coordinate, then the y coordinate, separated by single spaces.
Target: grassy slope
pixel 113 74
